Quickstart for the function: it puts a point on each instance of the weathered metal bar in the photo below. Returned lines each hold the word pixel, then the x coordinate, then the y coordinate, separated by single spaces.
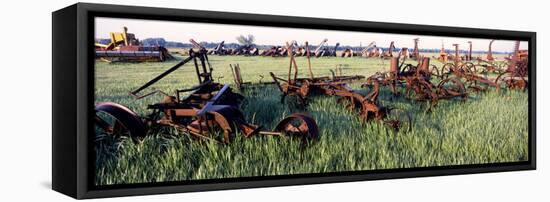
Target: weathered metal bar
pixel 457 56
pixel 425 65
pixel 159 77
pixel 390 49
pixel 196 65
pixel 490 51
pixel 205 75
pixel 469 58
pixel 321 45
pixel 309 60
pixel 416 53
pixel 197 45
pixel 333 53
pixel 394 65
pixel 515 58
pixel 290 49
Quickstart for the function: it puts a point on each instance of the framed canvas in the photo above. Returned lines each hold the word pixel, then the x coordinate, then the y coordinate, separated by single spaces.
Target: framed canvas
pixel 158 100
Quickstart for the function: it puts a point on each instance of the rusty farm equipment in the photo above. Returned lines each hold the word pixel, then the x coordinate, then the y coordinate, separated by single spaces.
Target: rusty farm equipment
pixel 219 50
pixel 237 77
pixel 456 57
pixel 275 51
pixel 416 53
pixel 416 82
pixel 371 50
pixel 443 56
pixel 490 51
pixel 246 50
pixel 404 52
pixel 475 76
pixel 469 56
pixel 207 111
pixel 347 53
pixel 367 106
pixel 239 82
pixel 389 53
pixel 125 46
pixel 323 49
pixel 516 75
pixel 470 74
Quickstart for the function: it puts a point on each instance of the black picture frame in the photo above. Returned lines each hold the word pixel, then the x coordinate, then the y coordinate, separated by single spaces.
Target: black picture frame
pixel 73 99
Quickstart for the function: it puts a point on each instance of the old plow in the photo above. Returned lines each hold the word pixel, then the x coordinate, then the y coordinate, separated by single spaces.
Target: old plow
pixel 207 111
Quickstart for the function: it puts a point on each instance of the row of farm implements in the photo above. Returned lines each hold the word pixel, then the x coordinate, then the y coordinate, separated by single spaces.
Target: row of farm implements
pixel 454 80
pixel 321 50
pixel 367 106
pixel 211 110
pixel 479 75
pixel 208 111
pixel 423 82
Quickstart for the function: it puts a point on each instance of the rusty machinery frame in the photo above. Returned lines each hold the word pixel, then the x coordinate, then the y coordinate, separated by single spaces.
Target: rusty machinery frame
pixel 454 78
pixel 367 105
pixel 417 83
pixel 514 76
pixel 208 109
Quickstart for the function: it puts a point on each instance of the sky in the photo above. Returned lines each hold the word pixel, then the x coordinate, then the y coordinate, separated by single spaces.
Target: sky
pixel 210 32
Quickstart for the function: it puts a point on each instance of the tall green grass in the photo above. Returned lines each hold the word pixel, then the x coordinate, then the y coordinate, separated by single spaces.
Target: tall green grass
pixel 489 127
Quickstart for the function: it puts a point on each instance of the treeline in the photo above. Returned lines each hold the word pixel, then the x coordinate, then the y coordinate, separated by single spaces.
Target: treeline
pixel 209 45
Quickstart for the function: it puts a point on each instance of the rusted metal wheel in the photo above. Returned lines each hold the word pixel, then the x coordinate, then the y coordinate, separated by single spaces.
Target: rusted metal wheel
pixel 399 120
pixel 473 68
pixel 451 87
pixel 408 68
pixel 300 125
pixel 421 90
pixel 447 70
pixel 435 72
pixel 502 66
pixel 505 79
pixel 468 67
pixel 116 119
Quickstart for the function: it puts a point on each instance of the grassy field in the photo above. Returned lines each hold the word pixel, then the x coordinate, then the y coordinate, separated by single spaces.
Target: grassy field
pixel 489 127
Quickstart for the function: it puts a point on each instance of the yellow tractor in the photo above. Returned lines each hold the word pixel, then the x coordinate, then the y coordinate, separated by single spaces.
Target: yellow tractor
pixel 125 47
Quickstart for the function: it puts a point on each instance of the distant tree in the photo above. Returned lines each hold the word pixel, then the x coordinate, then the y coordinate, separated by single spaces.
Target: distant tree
pixel 103 41
pixel 246 40
pixel 153 42
pixel 173 44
